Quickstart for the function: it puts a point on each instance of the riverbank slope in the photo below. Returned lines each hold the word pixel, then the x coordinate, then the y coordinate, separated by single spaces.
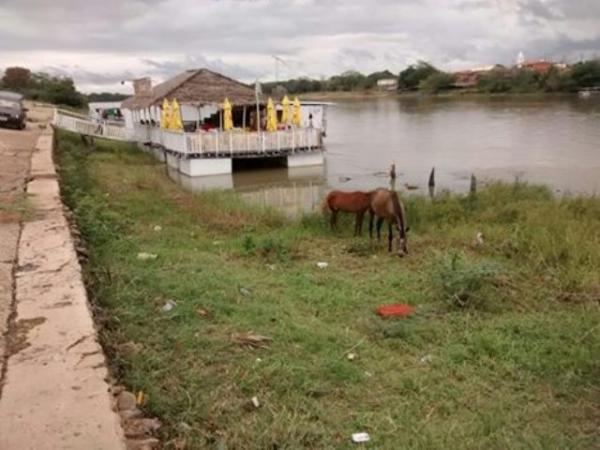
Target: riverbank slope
pixel 219 312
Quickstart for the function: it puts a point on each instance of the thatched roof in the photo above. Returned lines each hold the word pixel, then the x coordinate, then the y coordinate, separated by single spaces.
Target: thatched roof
pixel 195 87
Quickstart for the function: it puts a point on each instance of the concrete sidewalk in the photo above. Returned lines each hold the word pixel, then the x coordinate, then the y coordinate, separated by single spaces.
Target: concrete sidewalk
pixel 54 394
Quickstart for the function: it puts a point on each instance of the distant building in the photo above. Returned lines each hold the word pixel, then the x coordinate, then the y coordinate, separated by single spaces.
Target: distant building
pixel 470 78
pixel 541 66
pixel 387 84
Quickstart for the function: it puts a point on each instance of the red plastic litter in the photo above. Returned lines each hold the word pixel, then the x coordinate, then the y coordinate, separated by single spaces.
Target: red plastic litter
pixel 397 310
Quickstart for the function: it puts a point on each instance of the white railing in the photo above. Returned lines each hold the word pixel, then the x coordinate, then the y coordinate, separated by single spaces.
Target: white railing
pixel 239 142
pixel 89 128
pixel 141 133
pixel 234 142
pixel 118 132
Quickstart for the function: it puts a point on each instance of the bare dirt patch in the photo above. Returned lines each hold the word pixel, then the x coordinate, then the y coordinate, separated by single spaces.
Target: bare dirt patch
pixel 17 339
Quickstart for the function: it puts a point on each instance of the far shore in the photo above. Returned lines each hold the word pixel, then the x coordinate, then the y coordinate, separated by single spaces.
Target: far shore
pixel 463 93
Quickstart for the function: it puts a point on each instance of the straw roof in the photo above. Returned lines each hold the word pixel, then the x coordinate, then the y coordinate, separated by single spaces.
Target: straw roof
pixel 195 87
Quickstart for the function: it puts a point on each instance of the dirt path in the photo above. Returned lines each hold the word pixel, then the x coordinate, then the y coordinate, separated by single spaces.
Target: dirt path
pixel 16 148
pixel 54 392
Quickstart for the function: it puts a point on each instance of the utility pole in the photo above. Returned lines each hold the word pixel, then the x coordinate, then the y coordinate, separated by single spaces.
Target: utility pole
pixel 277 61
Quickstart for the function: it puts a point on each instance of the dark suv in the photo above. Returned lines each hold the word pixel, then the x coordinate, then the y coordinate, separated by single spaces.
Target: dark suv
pixel 12 111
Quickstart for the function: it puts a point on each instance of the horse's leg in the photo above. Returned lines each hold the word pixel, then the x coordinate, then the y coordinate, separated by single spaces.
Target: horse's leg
pixel 390 236
pixel 359 222
pixel 333 219
pixel 379 223
pixel 371 217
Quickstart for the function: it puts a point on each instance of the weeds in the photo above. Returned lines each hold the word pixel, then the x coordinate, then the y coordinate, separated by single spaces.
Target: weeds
pixel 463 282
pixel 267 247
pixel 362 247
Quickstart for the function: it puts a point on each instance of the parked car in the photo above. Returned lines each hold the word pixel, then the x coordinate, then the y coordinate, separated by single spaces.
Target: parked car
pixel 12 111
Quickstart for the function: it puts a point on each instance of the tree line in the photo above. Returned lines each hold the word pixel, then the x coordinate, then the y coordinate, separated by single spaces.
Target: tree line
pixel 422 76
pixel 425 77
pixel 43 87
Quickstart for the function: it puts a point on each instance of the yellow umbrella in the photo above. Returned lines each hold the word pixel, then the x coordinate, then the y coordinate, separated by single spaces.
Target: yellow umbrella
pixel 176 122
pixel 271 116
pixel 165 115
pixel 285 113
pixel 227 116
pixel 297 116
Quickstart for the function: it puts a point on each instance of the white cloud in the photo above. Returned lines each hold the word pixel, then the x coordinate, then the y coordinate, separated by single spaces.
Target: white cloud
pixel 101 42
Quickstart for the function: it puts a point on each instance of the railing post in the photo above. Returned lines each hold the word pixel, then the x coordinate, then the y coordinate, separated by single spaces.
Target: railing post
pixel 278 143
pixel 262 138
pixel 217 143
pixel 230 144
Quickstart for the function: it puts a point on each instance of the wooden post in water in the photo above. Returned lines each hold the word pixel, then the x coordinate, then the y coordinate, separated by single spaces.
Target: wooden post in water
pixel 473 187
pixel 393 177
pixel 431 183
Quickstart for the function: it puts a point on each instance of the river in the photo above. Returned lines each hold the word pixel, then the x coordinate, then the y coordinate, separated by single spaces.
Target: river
pixel 541 139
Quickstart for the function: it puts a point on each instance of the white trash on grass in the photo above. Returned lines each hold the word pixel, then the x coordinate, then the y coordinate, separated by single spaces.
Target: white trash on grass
pixel 361 437
pixel 143 256
pixel 168 306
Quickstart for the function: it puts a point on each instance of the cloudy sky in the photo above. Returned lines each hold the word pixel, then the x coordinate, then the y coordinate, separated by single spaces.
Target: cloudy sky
pixel 100 43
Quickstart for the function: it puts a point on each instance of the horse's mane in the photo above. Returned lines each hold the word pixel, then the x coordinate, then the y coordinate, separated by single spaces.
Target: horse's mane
pixel 398 212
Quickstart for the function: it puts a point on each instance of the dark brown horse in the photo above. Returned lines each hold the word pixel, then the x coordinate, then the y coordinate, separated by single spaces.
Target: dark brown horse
pixel 386 205
pixel 356 202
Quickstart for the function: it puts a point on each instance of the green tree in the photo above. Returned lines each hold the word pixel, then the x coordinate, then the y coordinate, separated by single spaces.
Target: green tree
pixel 436 82
pixel 56 90
pixel 411 77
pixel 348 81
pixel 525 81
pixel 495 82
pixel 106 97
pixel 586 73
pixel 558 81
pixel 17 78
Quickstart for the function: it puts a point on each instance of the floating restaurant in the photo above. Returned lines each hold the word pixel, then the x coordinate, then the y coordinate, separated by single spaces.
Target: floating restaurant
pixel 200 121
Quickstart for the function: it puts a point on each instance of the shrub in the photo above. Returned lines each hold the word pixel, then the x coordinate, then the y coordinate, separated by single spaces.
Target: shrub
pixel 462 282
pixel 267 247
pixel 436 82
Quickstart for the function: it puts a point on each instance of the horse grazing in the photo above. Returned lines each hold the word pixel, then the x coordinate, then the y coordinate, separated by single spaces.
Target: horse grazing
pixel 356 202
pixel 386 205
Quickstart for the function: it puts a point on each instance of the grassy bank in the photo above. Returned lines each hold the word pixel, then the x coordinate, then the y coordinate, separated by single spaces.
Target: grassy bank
pixel 503 351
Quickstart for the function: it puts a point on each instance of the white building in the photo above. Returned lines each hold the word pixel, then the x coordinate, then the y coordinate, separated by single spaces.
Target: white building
pixel 387 84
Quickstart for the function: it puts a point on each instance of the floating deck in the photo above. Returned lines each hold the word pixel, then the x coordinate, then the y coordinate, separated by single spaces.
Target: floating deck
pixel 185 151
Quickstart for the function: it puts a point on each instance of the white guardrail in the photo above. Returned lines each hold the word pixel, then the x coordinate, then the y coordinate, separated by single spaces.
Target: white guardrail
pixel 202 142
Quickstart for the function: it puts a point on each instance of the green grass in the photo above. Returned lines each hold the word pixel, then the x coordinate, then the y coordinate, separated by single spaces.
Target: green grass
pixel 515 365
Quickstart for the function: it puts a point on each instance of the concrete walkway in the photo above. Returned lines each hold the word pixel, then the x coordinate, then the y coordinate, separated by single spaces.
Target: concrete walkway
pixel 53 392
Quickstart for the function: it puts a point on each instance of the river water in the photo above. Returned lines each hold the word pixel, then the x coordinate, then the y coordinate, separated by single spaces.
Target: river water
pixel 542 139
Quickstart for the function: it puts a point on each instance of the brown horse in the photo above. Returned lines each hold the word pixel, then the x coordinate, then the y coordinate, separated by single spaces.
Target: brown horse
pixel 386 205
pixel 356 202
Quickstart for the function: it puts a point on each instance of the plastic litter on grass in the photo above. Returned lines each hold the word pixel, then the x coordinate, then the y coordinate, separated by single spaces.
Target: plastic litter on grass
pixel 396 310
